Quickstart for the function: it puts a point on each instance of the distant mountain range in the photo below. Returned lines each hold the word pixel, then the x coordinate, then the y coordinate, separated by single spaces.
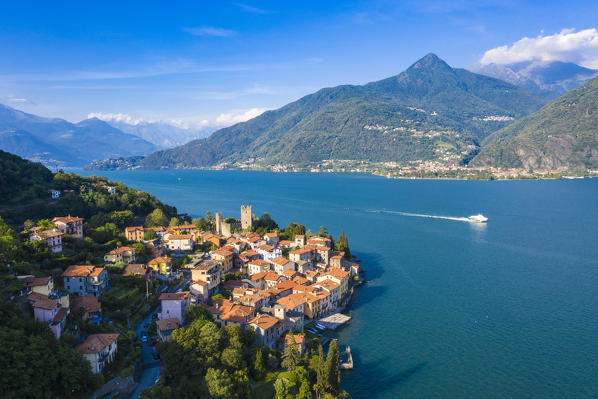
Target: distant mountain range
pixel 162 134
pixel 57 142
pixel 549 79
pixel 429 112
pixel 563 134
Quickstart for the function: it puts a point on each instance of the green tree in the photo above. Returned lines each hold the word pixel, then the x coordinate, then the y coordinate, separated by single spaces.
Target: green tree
pixel 195 312
pixel 122 218
pixel 28 224
pixel 232 357
pixel 156 218
pixel 9 243
pixel 323 231
pixel 242 384
pixel 174 221
pixel 294 229
pixel 259 366
pixel 220 384
pixel 150 234
pixel 201 224
pixel 342 244
pixel 46 224
pixel 333 366
pixel 290 357
pixel 281 386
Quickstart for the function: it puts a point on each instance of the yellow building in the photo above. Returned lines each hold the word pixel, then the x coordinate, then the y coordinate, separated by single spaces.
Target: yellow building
pixel 161 265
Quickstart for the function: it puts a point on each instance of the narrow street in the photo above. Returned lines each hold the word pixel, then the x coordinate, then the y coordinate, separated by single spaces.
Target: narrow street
pixel 151 367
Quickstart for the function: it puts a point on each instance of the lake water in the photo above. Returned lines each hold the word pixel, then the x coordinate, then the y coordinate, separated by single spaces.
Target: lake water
pixel 451 309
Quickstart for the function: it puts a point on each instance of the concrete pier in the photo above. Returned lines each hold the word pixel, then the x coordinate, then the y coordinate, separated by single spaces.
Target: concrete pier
pixel 348 364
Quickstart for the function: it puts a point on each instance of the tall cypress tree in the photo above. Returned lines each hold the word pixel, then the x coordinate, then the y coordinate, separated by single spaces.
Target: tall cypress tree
pixel 333 367
pixel 342 244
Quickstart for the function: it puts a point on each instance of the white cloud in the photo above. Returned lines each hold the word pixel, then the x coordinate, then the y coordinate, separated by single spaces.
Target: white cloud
pixel 567 45
pixel 230 118
pixel 210 31
pixel 118 117
pixel 253 10
pixel 222 120
pixel 18 100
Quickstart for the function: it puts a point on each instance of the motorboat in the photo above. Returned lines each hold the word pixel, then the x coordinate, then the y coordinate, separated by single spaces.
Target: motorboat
pixel 479 218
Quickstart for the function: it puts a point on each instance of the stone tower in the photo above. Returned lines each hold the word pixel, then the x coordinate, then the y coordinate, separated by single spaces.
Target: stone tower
pixel 246 217
pixel 219 222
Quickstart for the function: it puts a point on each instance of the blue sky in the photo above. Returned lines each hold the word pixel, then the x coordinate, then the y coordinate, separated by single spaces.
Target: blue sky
pixel 219 62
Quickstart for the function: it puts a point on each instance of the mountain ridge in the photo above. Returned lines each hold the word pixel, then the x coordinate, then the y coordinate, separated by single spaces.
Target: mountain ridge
pixel 58 142
pixel 561 135
pixel 429 111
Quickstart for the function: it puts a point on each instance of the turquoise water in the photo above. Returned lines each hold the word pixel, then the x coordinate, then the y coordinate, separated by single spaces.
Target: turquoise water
pixel 451 309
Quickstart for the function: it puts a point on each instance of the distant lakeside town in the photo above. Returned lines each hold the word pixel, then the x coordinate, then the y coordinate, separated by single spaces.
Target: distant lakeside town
pixel 418 169
pixel 282 287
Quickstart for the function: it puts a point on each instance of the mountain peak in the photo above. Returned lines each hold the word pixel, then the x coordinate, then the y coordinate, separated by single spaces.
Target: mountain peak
pixel 430 61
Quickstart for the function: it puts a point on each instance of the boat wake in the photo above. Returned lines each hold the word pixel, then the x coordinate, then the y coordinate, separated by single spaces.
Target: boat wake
pixel 419 215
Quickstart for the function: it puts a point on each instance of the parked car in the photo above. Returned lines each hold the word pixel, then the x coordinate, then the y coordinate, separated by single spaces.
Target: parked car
pixel 144 339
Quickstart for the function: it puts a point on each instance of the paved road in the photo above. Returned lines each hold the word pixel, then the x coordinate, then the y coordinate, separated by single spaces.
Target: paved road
pixel 151 367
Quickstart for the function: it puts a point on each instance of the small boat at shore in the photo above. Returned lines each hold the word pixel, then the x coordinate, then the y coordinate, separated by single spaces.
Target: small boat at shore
pixel 479 218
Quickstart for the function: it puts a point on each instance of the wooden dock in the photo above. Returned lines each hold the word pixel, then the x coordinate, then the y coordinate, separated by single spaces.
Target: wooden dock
pixel 348 364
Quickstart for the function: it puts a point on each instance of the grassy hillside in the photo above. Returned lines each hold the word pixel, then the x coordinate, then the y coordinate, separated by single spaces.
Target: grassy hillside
pixel 429 112
pixel 563 134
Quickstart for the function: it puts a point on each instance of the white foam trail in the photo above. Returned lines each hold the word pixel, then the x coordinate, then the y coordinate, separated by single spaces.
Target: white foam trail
pixel 419 215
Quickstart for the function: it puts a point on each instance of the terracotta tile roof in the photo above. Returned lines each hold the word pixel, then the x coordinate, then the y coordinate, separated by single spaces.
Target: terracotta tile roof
pixel 96 343
pixel 264 321
pixel 173 296
pixel 292 301
pixel 49 234
pixel 280 260
pixel 259 262
pixel 271 276
pixel 258 276
pixel 44 303
pixel 267 248
pixel 199 282
pixel 223 252
pixel 134 228
pixel 82 271
pixel 167 324
pixel 160 259
pixel 96 271
pixel 90 303
pixel 66 219
pixel 271 235
pixel 337 273
pixel 329 285
pixel 36 281
pixel 180 237
pixel 290 273
pixel 121 250
pixel 61 314
pixel 299 339
pixel 284 242
pixel 300 280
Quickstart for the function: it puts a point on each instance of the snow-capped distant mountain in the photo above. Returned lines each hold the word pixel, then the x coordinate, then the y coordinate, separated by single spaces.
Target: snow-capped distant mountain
pixel 548 78
pixel 162 134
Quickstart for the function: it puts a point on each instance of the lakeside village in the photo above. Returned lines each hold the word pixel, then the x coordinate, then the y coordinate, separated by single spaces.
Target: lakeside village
pixel 287 286
pixel 418 169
